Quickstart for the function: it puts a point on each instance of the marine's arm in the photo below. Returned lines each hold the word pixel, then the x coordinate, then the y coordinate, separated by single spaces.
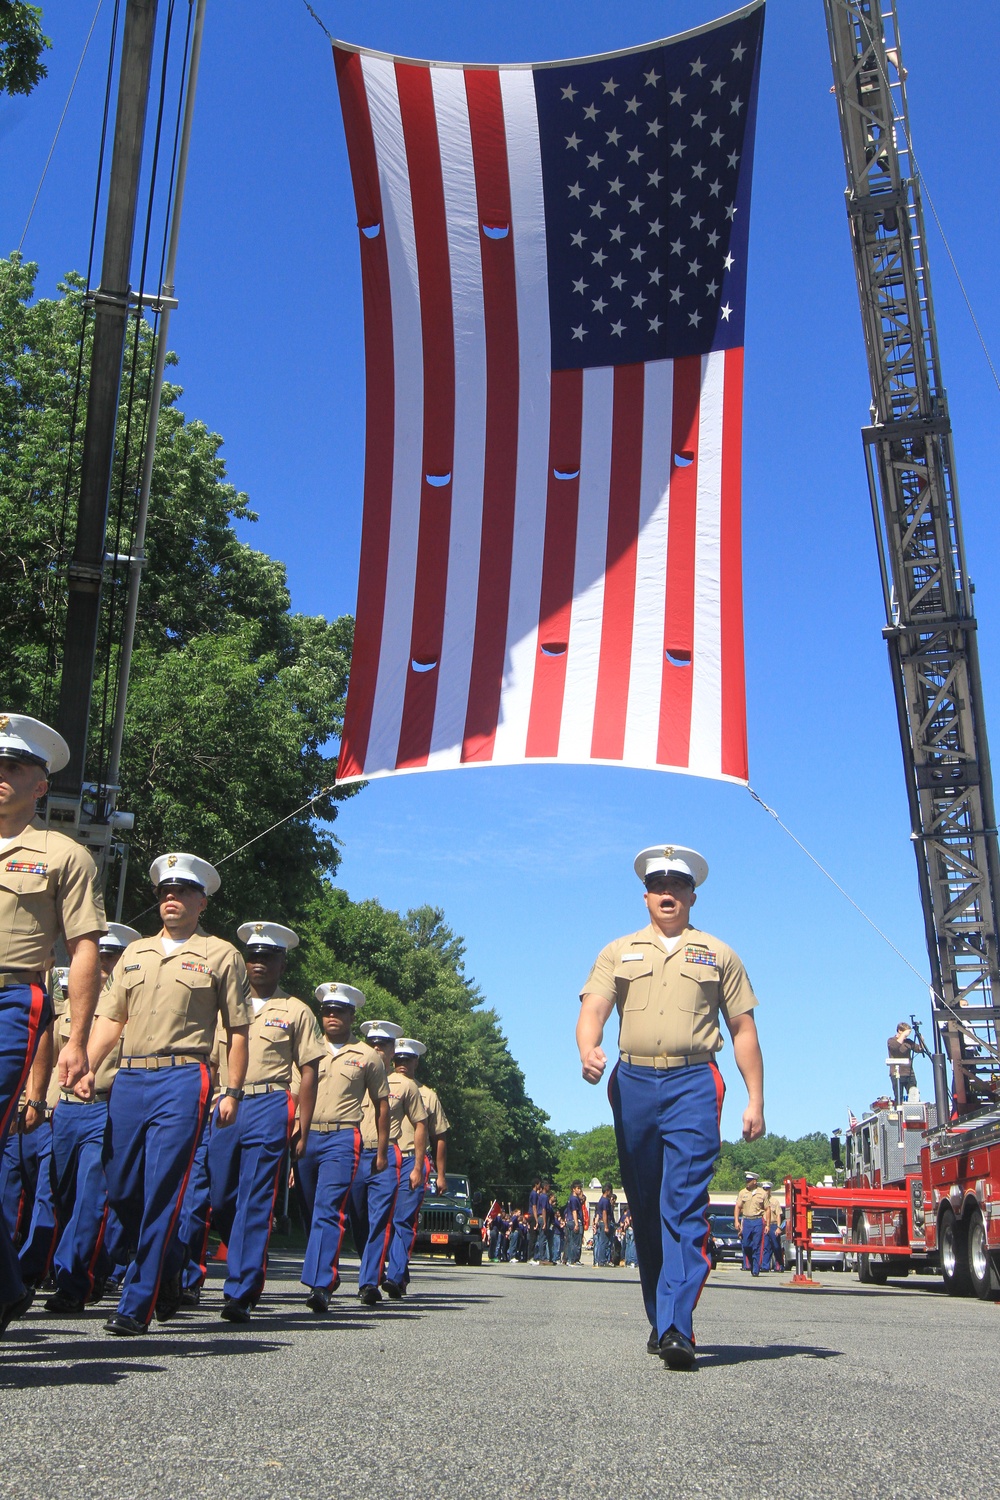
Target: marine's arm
pixel 84 988
pixel 594 1012
pixel 746 1050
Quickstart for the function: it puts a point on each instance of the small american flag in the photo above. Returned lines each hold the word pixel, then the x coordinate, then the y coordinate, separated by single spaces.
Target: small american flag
pixel 554 276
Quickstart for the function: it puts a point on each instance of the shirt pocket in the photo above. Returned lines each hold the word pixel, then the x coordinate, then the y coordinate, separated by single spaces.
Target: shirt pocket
pixel 633 985
pixel 193 995
pixel 31 902
pixel 698 991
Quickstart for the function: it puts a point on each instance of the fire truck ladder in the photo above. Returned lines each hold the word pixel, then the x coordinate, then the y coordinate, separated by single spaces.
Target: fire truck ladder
pixel 930 626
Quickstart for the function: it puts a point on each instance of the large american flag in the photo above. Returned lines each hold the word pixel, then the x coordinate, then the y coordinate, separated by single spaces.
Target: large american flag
pixel 554 276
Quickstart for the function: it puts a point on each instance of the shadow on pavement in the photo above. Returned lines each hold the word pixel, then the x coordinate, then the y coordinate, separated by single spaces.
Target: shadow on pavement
pixel 36 1360
pixel 712 1355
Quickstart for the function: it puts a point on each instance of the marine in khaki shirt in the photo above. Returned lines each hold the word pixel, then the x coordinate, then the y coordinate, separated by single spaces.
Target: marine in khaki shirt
pixel 283 1038
pixel 405 1104
pixel 346 1074
pixel 669 1003
pixel 751 1203
pixel 408 1054
pixel 172 1002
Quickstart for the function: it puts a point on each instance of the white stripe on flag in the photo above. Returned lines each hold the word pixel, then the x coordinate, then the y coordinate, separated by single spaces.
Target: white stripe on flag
pixel 531 275
pixel 583 657
pixel 705 756
pixel 642 725
pixel 462 216
pixel 407 351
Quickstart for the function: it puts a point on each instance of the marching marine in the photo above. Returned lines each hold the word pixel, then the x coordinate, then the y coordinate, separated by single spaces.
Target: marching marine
pixel 80 1188
pixel 244 1161
pixel 751 1215
pixel 670 982
pixel 349 1070
pixel 415 1170
pixel 406 1108
pixel 48 888
pixel 171 990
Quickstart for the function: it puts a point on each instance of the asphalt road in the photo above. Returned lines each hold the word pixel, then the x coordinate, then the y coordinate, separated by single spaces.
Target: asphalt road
pixel 512 1380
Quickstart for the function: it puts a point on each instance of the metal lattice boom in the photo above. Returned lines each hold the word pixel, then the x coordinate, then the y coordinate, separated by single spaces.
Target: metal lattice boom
pixel 931 626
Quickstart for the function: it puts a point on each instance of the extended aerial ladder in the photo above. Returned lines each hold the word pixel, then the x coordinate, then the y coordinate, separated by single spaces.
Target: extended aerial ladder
pixel 930 625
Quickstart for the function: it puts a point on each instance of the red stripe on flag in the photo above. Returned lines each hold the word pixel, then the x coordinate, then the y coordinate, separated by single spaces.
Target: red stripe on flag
pixel 734 708
pixel 379 418
pixel 611 703
pixel 678 625
pixel 420 134
pixel 558 559
pixel 489 154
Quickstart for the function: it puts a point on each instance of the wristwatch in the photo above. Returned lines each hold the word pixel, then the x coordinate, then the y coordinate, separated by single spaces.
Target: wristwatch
pixel 233 1094
pixel 36 1104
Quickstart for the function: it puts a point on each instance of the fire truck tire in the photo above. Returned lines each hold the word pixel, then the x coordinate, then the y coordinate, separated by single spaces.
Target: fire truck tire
pixel 982 1267
pixel 871 1271
pixel 953 1250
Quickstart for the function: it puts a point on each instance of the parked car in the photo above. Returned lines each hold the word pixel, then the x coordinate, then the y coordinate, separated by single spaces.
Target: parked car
pixel 828 1242
pixel 727 1240
pixel 449 1222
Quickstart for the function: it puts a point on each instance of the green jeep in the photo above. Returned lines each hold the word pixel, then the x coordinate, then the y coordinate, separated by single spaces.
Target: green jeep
pixel 449 1222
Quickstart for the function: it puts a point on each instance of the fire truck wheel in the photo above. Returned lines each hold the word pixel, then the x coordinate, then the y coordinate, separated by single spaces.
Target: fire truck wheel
pixel 871 1269
pixel 953 1249
pixel 982 1270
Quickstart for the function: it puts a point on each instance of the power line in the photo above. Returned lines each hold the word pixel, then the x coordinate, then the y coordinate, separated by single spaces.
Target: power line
pixel 59 127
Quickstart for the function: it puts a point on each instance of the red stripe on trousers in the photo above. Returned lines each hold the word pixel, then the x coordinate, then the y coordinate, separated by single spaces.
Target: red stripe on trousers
pixel 379 418
pixel 423 157
pixel 611 702
pixel 203 1097
pixel 720 1094
pixel 37 1007
pixel 387 1237
pixel 489 155
pixel 558 560
pixel 734 701
pixel 334 1272
pixel 674 738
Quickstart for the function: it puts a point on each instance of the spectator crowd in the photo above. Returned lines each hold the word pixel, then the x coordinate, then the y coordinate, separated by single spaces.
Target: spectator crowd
pixel 548 1233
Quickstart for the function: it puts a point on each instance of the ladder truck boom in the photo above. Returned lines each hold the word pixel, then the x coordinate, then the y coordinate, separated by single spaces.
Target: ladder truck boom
pixel 930 628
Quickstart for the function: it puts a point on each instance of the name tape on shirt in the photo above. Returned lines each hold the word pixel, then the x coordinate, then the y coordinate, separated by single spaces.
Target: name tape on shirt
pixel 19 867
pixel 628 958
pixel 696 955
pixel 131 968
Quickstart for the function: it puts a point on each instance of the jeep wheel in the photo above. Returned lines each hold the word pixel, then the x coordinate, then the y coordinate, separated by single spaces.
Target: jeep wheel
pixel 462 1255
pixel 475 1255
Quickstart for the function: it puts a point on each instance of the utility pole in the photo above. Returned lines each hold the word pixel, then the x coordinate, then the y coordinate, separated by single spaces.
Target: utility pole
pixel 111 307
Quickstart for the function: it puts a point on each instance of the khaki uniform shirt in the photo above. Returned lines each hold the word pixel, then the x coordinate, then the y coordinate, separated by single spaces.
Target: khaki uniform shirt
pixel 369 1126
pixel 669 1003
pixel 437 1121
pixel 172 1002
pixel 344 1080
pixel 48 886
pixel 777 1211
pixel 405 1106
pixel 751 1203
pixel 283 1037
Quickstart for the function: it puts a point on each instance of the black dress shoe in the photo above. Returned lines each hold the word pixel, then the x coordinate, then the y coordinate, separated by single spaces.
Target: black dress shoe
pixel 369 1295
pixel 653 1342
pixel 235 1311
pixel 190 1296
pixel 319 1299
pixel 393 1290
pixel 11 1311
pixel 676 1350
pixel 169 1299
pixel 124 1325
pixel 64 1303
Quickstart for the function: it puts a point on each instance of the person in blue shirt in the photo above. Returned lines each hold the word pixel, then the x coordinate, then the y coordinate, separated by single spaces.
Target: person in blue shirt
pixel 604 1227
pixel 574 1224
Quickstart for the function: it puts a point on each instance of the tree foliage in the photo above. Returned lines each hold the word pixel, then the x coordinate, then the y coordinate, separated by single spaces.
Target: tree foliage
pixel 22 43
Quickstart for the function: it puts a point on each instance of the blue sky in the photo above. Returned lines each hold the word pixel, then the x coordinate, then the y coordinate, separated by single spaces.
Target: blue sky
pixel 534 865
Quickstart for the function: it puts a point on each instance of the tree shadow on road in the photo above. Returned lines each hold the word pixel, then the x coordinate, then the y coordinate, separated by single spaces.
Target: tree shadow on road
pixel 36 1360
pixel 711 1356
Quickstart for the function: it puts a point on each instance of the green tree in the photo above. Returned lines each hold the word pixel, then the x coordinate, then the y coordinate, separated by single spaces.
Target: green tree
pixel 586 1156
pixel 22 43
pixel 233 698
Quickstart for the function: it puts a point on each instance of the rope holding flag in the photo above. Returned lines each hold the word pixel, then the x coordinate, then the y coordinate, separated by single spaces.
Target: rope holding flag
pixel 553 265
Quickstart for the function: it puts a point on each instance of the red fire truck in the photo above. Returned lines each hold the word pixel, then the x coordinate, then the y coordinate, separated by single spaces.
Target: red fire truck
pixel 921 1181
